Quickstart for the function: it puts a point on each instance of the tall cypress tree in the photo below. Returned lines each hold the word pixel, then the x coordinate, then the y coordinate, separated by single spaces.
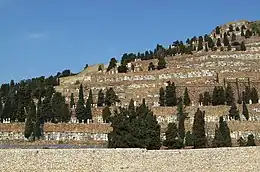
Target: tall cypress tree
pixel 90 97
pixel 30 120
pixel 222 135
pixel 1 108
pixel 215 96
pixel 186 96
pixel 80 109
pixel 88 112
pixel 225 40
pixel 254 95
pixel 233 112
pixel 72 102
pixel 201 98
pixel 173 140
pixel 101 98
pixel 170 95
pixel 221 96
pixel 106 114
pixel 198 130
pixel 162 97
pixel 229 95
pixel 207 98
pixel 111 97
pixel 245 111
pixel 181 117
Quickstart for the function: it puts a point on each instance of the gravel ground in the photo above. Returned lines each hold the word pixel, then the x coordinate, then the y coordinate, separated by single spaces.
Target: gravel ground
pixel 131 160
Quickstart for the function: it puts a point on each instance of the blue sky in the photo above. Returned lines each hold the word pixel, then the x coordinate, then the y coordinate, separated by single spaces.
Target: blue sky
pixel 42 37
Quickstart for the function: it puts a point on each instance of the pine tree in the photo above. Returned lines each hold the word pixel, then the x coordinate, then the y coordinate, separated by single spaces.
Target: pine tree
pixel 254 95
pixel 30 120
pixel 251 140
pixel 186 96
pixel 198 130
pixel 106 114
pixel 229 95
pixel 233 112
pixel 245 111
pixel 173 140
pixel 101 98
pixel 80 109
pixel 162 97
pixel 72 102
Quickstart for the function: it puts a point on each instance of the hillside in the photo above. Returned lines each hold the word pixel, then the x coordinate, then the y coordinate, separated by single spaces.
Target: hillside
pixel 198 71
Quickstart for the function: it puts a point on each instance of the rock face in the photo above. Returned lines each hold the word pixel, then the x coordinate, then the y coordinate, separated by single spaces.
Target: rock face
pixel 131 160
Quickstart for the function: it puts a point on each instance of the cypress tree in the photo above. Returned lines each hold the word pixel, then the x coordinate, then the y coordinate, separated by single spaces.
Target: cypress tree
pixel 80 109
pixel 218 42
pixel 251 140
pixel 242 32
pixel 201 98
pixel 245 111
pixel 151 66
pixel 200 44
pixel 101 98
pixel 111 97
pixel 161 63
pixel 189 140
pixel 106 114
pixel 242 46
pixel 207 98
pixel 1 108
pixel 186 96
pixel 225 40
pixel 100 68
pixel 221 96
pixel 88 112
pixel 181 118
pixel 217 30
pixel 170 95
pixel 72 102
pixel 37 129
pixel 198 130
pixel 30 120
pixel 215 100
pixel 173 140
pixel 254 95
pixel 222 134
pixel 233 37
pixel 229 95
pixel 90 97
pixel 162 97
pixel 233 112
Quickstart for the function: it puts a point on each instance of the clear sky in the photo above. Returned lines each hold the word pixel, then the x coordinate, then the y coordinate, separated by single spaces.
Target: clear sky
pixel 42 37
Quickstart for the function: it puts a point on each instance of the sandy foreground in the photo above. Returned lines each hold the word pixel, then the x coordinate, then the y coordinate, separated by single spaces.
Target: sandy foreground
pixel 125 160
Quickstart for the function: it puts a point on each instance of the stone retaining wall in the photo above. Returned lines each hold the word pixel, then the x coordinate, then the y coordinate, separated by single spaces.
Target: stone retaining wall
pixel 134 160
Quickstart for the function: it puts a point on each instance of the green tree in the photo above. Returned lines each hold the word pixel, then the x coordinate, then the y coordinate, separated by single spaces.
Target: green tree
pixel 198 130
pixel 162 97
pixel 58 109
pixel 173 140
pixel 242 46
pixel 229 95
pixel 101 98
pixel 72 102
pixel 233 37
pixel 170 94
pixel 233 112
pixel 218 42
pixel 134 131
pixel 100 68
pixel 186 96
pixel 207 98
pixel 222 134
pixel 251 140
pixel 200 44
pixel 30 120
pixel 242 33
pixel 151 66
pixel 189 140
pixel 90 97
pixel 112 64
pixel 245 111
pixel 80 109
pixel 225 40
pixel 88 112
pixel 106 114
pixel 248 34
pixel 254 95
pixel 161 63
pixel 181 118
pixel 201 98
pixel 217 30
pixel 37 127
pixel 111 97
